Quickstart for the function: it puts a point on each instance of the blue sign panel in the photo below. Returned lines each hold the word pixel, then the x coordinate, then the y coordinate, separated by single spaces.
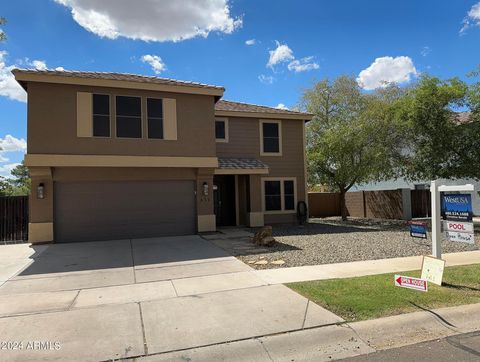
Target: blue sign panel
pixel 418 230
pixel 457 207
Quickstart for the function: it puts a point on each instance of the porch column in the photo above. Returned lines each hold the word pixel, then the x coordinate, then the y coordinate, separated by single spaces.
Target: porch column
pixel 205 214
pixel 255 214
pixel 40 225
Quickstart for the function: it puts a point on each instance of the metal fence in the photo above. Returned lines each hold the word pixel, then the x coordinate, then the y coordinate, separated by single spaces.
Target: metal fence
pixel 13 219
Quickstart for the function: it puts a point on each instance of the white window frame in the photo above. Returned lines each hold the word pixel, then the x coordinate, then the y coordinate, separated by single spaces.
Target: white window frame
pixel 282 195
pixel 225 121
pixel 279 153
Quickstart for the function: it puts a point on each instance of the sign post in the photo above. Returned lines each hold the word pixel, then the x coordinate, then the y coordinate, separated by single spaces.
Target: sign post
pixel 436 228
pixel 435 190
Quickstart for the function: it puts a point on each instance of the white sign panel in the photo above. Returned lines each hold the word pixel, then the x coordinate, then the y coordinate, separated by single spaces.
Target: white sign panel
pixel 460 237
pixel 432 269
pixel 462 227
pixel 411 283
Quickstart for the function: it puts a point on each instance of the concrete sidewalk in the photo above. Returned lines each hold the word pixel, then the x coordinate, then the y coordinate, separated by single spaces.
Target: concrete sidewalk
pixel 338 341
pixel 359 268
pixel 127 298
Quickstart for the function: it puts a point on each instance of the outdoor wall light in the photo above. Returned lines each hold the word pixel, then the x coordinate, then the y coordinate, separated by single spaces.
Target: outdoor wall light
pixel 40 191
pixel 205 189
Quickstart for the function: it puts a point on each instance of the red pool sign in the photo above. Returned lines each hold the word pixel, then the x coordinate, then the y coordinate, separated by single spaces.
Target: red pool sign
pixel 411 283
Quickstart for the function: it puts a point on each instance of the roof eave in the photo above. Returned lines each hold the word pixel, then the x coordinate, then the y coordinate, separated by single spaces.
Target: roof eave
pixel 24 77
pixel 265 115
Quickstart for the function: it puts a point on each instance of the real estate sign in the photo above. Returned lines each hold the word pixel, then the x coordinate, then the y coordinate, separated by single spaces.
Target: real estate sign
pixel 418 229
pixel 411 283
pixel 457 207
pixel 432 269
pixel 462 227
pixel 458 213
pixel 460 237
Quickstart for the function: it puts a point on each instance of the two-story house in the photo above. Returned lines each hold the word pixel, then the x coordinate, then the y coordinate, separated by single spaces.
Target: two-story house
pixel 117 156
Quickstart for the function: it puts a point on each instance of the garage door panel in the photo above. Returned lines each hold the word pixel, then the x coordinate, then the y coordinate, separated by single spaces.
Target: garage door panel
pixel 120 210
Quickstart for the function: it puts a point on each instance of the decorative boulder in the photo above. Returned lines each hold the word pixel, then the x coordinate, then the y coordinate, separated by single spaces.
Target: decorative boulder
pixel 263 237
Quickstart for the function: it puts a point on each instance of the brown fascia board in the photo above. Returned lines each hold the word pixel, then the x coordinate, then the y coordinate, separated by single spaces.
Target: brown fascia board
pixel 24 77
pixel 265 115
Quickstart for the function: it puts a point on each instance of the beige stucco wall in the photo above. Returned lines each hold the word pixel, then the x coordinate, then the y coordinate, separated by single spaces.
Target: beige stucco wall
pixel 244 141
pixel 52 124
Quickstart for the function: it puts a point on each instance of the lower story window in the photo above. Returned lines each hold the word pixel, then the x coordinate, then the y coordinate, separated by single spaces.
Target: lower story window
pixel 289 195
pixel 279 195
pixel 273 196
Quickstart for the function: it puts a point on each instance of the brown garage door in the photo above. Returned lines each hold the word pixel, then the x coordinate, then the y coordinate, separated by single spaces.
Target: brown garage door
pixel 87 211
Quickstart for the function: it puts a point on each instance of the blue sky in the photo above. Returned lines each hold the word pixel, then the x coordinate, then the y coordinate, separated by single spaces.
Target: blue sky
pixel 295 43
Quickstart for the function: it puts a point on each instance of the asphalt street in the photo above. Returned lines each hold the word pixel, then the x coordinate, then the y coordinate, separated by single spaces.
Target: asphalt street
pixel 462 347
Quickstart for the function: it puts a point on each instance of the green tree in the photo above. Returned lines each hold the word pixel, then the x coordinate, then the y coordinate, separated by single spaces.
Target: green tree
pixel 353 137
pixel 438 146
pixel 3 21
pixel 18 185
pixel 21 180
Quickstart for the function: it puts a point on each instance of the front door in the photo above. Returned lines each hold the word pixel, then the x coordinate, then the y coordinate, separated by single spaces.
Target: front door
pixel 224 200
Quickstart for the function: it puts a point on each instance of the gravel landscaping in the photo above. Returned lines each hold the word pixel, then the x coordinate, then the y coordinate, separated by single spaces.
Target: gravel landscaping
pixel 329 240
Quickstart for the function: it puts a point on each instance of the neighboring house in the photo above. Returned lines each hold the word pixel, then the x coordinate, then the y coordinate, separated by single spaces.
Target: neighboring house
pixel 461 118
pixel 116 156
pixel 401 183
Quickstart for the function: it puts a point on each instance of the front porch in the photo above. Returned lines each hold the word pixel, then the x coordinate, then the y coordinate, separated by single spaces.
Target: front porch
pixel 237 192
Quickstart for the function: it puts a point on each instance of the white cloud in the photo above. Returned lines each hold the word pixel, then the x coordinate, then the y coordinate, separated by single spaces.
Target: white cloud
pixel 39 64
pixel 5 170
pixel 425 51
pixel 155 62
pixel 282 53
pixel 282 106
pixel 251 42
pixel 303 65
pixel 153 20
pixel 472 18
pixel 266 79
pixel 8 85
pixel 12 144
pixel 387 70
pixel 60 69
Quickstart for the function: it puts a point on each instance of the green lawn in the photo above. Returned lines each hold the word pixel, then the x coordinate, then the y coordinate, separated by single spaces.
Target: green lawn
pixel 376 296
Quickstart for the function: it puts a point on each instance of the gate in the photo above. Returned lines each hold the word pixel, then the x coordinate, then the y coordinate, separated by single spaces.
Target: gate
pixel 421 203
pixel 13 219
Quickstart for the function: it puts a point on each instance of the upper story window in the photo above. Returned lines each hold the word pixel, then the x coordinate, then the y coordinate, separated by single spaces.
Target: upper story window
pixel 221 130
pixel 155 117
pixel 270 138
pixel 129 117
pixel 101 115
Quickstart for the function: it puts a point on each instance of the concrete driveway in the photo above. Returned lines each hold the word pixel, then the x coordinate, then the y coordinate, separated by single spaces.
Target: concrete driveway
pixel 131 298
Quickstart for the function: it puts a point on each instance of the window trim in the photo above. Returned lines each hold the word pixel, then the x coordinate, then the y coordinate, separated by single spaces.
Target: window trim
pixel 222 140
pixel 279 122
pixel 146 119
pixel 282 195
pixel 110 109
pixel 142 116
